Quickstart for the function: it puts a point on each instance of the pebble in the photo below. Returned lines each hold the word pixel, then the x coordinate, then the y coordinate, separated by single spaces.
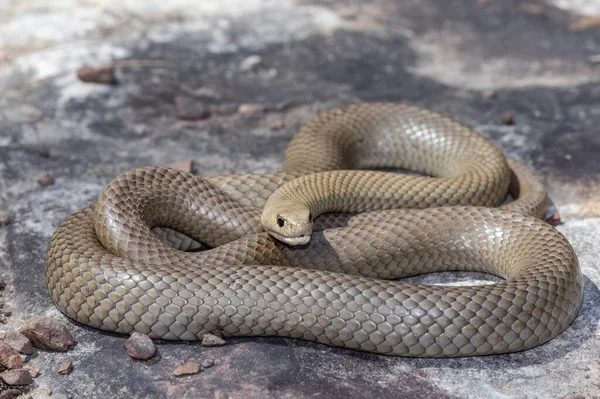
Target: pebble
pixel 208 363
pixel 251 109
pixel 46 180
pixel 15 362
pixel 48 333
pixel 212 340
pixel 16 377
pixel 19 342
pixel 140 346
pixel 66 367
pixel 190 109
pixel 554 220
pixel 104 75
pixel 10 393
pixel 508 118
pixel 6 352
pixel 187 369
pixel 277 125
pixel 250 63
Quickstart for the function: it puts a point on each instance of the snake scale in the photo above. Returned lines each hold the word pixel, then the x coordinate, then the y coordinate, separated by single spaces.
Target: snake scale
pixel 315 251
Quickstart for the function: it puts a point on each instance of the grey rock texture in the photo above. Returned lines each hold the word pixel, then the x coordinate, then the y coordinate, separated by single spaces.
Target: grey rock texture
pixel 475 60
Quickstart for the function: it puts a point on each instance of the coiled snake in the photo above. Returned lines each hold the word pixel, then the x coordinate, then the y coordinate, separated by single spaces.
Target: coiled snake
pixel 107 269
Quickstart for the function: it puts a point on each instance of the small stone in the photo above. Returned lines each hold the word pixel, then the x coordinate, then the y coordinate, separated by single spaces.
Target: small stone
pixel 19 342
pixel 251 109
pixel 208 363
pixel 104 75
pixel 187 369
pixel 554 219
pixel 190 109
pixel 277 125
pixel 2 284
pixel 66 367
pixel 15 362
pixel 140 346
pixel 48 333
pixel 186 165
pixel 422 373
pixel 10 394
pixel 250 63
pixel 508 118
pixel 49 392
pixel 34 371
pixel 6 352
pixel 212 340
pixel 16 377
pixel 46 180
pixel 2 318
pixel 7 310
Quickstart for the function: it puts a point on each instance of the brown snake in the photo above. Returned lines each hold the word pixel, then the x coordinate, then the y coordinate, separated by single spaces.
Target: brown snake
pixel 106 268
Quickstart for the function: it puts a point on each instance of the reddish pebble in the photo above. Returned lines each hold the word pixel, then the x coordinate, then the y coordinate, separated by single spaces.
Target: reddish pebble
pixel 212 340
pixel 16 377
pixel 140 346
pixel 187 369
pixel 66 367
pixel 46 180
pixel 251 109
pixel 15 362
pixel 277 125
pixel 508 118
pixel 19 342
pixel 6 353
pixel 48 333
pixel 10 394
pixel 104 75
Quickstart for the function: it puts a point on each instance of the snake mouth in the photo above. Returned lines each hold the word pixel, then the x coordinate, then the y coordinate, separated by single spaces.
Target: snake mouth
pixel 300 240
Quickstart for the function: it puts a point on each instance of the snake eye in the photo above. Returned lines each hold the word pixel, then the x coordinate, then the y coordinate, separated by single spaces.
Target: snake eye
pixel 280 221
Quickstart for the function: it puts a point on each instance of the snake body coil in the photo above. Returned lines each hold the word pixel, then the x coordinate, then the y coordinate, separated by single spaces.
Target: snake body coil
pixel 107 269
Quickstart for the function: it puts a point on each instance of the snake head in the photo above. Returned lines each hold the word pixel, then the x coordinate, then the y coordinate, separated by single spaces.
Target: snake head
pixel 287 222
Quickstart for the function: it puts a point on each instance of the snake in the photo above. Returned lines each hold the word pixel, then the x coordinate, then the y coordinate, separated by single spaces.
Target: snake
pixel 318 250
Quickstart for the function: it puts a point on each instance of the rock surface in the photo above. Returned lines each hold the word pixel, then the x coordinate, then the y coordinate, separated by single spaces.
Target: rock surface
pixel 475 60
